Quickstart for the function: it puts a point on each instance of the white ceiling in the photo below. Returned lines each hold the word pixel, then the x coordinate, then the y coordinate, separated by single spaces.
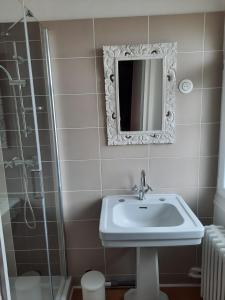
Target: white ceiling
pixel 79 9
pixel 10 10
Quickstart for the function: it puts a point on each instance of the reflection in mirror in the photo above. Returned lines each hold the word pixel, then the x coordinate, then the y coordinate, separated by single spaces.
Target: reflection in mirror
pixel 140 94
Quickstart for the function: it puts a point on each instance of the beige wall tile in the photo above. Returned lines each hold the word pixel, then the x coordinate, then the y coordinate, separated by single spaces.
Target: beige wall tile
pixel 120 261
pixel 188 107
pixel 81 205
pixel 214 25
pixel 77 144
pixel 130 151
pixel 205 202
pixel 173 172
pixel 122 173
pixel 117 192
pixel 117 31
pixel 82 234
pixel 213 66
pixel 80 175
pixel 102 110
pixel 74 76
pixel 168 278
pixel 208 171
pixel 176 259
pixel 190 195
pixel 211 105
pixel 76 111
pixel 100 75
pixel 187 143
pixel 82 260
pixel 189 65
pixel 186 30
pixel 73 38
pixel 209 139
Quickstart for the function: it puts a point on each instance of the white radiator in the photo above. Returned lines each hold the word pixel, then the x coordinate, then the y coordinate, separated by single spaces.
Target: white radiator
pixel 213 263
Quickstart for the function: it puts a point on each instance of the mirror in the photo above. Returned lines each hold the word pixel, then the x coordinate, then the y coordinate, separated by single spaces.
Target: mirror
pixel 140 94
pixel 140 87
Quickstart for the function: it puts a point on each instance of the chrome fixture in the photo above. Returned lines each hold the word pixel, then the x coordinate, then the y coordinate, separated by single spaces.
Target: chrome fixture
pixel 143 188
pixel 16 82
pixel 39 108
pixel 6 33
pixel 30 224
pixel 15 162
pixel 19 58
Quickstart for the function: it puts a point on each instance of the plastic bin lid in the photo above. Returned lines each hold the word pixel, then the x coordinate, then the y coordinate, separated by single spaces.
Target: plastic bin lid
pixel 27 282
pixel 92 280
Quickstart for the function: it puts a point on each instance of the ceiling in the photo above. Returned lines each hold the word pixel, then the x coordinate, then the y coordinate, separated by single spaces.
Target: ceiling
pixel 79 9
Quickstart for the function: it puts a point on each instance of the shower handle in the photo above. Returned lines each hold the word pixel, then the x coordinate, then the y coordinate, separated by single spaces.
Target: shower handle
pixel 36 170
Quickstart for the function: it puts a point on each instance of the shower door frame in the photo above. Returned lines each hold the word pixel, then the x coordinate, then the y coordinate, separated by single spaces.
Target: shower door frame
pixel 52 114
pixel 48 69
pixel 219 201
pixel 38 149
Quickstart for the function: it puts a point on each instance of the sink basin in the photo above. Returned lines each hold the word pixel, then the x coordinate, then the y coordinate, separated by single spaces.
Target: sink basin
pixel 158 220
pixel 136 215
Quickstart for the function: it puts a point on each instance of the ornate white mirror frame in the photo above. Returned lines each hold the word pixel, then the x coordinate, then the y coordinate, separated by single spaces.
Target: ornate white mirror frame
pixel 113 54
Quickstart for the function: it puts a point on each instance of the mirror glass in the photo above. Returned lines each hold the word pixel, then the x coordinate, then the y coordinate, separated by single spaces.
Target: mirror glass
pixel 140 86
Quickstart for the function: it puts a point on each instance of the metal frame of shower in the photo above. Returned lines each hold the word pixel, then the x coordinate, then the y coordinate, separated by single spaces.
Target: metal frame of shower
pixel 4 280
pixel 39 169
pixel 53 120
pixel 45 40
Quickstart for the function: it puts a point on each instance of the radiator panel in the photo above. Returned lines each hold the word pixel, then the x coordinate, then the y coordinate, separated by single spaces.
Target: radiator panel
pixel 213 263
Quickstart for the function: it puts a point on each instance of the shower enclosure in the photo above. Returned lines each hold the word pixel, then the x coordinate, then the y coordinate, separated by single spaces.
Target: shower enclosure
pixel 32 255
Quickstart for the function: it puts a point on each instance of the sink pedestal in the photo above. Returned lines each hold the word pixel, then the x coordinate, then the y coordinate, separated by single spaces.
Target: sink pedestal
pixel 147 280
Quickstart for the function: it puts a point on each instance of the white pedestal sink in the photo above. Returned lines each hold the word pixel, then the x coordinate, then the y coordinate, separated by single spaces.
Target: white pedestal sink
pixel 158 220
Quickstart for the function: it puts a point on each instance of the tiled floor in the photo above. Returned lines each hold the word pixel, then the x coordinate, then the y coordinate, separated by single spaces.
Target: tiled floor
pixel 178 293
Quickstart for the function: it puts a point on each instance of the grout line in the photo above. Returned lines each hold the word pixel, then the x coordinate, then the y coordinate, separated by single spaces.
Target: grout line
pixel 82 248
pixel 200 128
pixel 102 127
pixel 82 220
pixel 80 94
pixel 138 158
pixel 199 51
pixel 159 189
pixel 99 138
pixel 101 56
pixel 74 58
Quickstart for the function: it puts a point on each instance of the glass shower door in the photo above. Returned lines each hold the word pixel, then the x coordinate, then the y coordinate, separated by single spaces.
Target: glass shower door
pixel 41 72
pixel 22 197
pixel 30 204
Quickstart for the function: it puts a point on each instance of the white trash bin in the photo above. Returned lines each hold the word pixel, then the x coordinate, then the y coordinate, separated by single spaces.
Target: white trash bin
pixel 93 286
pixel 28 287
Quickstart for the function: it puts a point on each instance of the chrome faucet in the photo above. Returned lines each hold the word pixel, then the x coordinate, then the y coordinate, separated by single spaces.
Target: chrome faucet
pixel 143 188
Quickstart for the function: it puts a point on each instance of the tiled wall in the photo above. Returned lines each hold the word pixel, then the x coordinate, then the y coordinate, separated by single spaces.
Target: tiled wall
pixel 91 169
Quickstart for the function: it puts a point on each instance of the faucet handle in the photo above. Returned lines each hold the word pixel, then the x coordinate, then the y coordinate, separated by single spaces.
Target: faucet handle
pixel 148 188
pixel 135 188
